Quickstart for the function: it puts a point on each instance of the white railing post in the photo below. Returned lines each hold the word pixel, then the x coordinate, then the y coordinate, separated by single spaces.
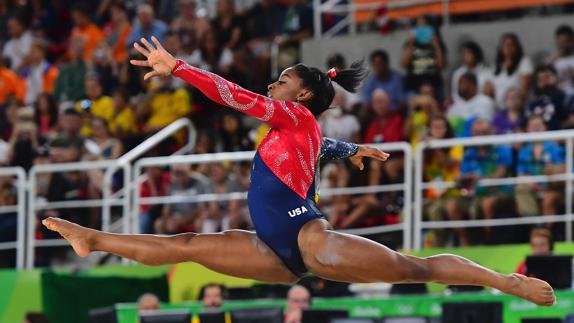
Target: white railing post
pixel 30 238
pixel 418 201
pixel 352 18
pixel 568 196
pixel 408 201
pixel 317 13
pixel 20 210
pixel 20 244
pixel 106 196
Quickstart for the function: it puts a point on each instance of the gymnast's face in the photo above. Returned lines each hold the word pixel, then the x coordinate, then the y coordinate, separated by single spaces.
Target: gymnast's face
pixel 288 87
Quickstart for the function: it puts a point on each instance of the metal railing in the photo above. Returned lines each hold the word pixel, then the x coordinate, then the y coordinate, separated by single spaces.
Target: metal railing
pixel 405 187
pixel 350 10
pixel 120 198
pixel 420 185
pixel 20 211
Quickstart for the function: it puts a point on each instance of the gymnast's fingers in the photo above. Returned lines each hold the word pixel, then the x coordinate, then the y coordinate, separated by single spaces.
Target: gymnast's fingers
pixel 147 44
pixel 140 63
pixel 156 42
pixel 141 50
pixel 149 75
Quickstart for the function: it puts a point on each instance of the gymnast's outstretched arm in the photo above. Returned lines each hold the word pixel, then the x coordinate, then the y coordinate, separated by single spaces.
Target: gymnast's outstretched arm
pixel 333 149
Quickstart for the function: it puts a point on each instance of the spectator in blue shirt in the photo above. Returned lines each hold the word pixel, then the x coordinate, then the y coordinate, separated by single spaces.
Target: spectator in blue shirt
pixel 481 162
pixel 146 26
pixel 540 158
pixel 383 77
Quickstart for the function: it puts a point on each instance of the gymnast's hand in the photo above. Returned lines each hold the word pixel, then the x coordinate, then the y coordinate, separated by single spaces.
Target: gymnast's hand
pixel 366 151
pixel 158 58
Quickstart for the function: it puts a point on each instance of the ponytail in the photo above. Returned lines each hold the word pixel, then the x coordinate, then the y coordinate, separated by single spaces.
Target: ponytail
pixel 351 78
pixel 321 85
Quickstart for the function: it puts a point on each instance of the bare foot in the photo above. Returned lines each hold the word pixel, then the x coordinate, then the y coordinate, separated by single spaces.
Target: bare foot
pixel 76 235
pixel 531 289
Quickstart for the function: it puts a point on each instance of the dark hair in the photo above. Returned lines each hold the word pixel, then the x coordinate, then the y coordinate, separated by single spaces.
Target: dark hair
pixel 564 30
pixel 81 7
pixel 475 49
pixel 123 93
pixel 209 285
pixel 336 60
pixel 447 135
pixel 379 53
pixel 449 130
pixel 120 6
pixel 20 18
pixel 469 76
pixel 321 86
pixel 52 109
pixel 541 69
pixel 515 59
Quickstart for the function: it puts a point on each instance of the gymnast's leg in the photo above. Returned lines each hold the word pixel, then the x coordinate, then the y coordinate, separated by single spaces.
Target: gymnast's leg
pixel 235 252
pixel 344 257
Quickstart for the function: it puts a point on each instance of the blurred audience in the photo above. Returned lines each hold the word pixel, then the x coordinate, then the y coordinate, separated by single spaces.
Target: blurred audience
pixel 541 244
pixel 148 302
pixel 298 299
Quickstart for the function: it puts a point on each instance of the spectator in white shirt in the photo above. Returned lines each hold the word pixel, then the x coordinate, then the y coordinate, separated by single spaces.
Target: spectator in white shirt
pixel 513 68
pixel 338 123
pixel 473 61
pixel 18 47
pixel 471 104
pixel 563 59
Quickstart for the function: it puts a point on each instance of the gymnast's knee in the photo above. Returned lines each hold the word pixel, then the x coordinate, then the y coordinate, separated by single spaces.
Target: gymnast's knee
pixel 415 269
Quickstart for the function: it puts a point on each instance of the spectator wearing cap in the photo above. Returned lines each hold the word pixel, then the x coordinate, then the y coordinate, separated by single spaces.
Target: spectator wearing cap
pixel 85 30
pixel 146 25
pixel 19 44
pixel 40 76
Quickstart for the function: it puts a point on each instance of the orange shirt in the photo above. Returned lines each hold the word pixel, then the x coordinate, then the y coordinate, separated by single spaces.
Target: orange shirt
pixel 11 85
pixel 49 79
pixel 92 36
pixel 120 49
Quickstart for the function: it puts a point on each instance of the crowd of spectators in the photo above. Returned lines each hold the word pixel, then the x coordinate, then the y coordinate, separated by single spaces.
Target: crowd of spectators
pixel 68 93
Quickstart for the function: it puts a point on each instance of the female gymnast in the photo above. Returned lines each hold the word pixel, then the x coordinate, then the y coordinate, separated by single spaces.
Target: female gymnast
pixel 292 237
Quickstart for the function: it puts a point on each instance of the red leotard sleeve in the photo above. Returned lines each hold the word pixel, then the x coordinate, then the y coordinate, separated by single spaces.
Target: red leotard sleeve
pixel 278 114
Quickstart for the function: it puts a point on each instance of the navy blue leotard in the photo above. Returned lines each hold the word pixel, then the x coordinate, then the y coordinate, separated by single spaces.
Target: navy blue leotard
pixel 282 193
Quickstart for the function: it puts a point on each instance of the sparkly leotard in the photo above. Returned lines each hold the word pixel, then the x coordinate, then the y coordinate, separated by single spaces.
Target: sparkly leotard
pixel 281 196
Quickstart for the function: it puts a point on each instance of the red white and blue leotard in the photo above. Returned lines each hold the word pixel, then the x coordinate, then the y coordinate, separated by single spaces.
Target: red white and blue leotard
pixel 281 196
